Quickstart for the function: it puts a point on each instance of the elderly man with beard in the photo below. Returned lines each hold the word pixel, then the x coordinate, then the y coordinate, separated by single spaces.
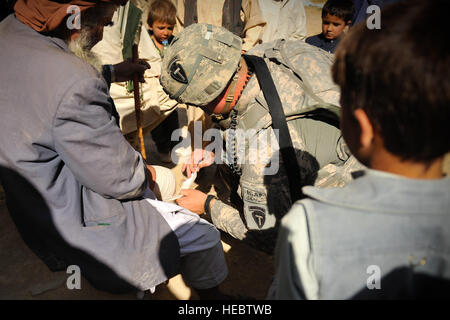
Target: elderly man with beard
pixel 77 191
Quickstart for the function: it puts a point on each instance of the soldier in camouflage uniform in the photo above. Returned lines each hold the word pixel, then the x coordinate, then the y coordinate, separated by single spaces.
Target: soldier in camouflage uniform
pixel 203 67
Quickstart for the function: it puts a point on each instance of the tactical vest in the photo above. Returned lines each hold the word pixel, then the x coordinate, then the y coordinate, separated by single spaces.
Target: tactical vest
pixel 301 75
pixel 231 15
pixel 292 59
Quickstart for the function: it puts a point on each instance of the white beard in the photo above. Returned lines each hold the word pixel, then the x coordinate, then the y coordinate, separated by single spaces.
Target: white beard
pixel 81 47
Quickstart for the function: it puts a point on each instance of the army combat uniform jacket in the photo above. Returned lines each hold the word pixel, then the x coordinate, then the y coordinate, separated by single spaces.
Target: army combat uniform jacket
pixel 256 193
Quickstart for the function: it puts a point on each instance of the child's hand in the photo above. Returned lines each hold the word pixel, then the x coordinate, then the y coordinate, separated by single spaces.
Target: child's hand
pixel 199 158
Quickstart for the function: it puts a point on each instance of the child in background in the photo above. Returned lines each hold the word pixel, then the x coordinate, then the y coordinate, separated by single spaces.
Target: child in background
pixel 386 234
pixel 336 18
pixel 161 22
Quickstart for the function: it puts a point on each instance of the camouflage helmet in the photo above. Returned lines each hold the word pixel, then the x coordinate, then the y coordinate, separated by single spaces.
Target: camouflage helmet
pixel 199 63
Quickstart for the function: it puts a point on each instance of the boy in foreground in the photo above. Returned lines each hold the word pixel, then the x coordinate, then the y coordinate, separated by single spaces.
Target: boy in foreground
pixel 385 235
pixel 336 18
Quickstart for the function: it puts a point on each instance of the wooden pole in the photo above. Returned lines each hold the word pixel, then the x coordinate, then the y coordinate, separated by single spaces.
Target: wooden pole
pixel 137 106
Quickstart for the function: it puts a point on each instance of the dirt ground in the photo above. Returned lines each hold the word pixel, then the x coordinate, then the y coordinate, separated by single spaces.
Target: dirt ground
pixel 23 276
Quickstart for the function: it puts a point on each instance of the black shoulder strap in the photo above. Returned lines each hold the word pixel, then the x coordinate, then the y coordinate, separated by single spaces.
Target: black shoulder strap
pixel 278 122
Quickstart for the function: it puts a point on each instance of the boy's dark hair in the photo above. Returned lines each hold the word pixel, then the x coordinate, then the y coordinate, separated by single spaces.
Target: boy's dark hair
pixel 343 9
pixel 162 11
pixel 399 76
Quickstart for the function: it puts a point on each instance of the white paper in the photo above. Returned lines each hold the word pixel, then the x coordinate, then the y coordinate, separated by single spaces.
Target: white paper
pixel 186 185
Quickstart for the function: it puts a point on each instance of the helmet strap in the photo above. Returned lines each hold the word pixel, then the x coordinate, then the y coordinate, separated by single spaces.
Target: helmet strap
pixel 225 102
pixel 230 96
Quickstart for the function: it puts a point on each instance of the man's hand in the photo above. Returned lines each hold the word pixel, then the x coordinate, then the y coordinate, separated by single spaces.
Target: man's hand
pixel 126 70
pixel 151 175
pixel 193 200
pixel 199 158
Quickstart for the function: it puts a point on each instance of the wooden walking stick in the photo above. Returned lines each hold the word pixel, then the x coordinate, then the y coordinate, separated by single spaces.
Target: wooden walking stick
pixel 130 26
pixel 137 105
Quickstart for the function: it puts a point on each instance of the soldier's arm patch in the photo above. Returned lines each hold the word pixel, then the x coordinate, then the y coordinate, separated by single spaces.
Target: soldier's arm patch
pixel 258 215
pixel 254 196
pixel 256 211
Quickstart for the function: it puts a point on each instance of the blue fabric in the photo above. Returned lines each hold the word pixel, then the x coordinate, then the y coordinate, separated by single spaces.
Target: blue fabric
pixel 398 224
pixel 323 43
pixel 362 5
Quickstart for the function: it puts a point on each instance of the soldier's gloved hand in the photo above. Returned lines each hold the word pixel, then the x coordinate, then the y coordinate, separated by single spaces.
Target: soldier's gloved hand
pixel 193 200
pixel 199 158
